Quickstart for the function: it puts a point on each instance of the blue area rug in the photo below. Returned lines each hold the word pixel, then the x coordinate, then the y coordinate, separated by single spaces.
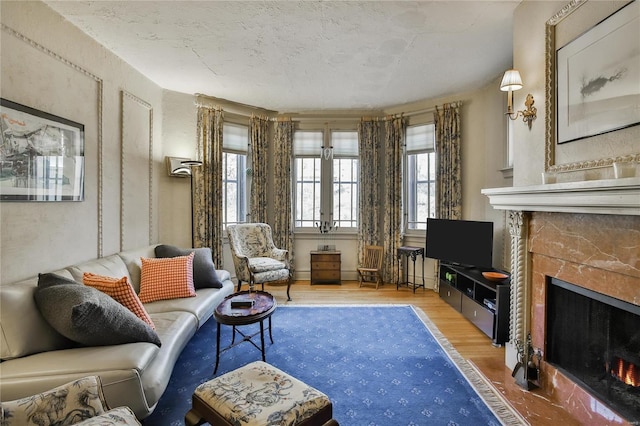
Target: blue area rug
pixel 379 365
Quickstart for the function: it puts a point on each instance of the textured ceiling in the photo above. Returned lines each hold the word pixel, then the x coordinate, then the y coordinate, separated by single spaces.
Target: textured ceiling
pixel 306 55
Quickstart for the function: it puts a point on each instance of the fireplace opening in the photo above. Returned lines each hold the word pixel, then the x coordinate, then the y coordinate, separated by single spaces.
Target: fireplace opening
pixel 594 339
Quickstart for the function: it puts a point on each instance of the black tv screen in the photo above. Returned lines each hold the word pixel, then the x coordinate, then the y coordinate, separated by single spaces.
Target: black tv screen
pixel 464 242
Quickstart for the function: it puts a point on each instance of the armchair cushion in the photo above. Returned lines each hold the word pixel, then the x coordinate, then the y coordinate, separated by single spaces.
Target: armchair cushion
pixel 67 404
pixel 265 264
pixel 116 417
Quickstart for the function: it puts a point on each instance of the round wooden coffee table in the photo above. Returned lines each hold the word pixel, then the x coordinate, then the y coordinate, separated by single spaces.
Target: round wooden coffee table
pixel 227 313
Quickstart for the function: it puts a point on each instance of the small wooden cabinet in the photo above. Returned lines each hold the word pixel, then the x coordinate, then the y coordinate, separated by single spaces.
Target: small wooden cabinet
pixel 325 267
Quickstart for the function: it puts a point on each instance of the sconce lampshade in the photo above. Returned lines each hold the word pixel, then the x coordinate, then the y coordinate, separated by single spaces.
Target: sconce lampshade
pixel 511 81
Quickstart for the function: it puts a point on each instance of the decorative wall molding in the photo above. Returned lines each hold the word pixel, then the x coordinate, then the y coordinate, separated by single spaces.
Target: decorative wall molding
pixel 123 171
pixel 100 84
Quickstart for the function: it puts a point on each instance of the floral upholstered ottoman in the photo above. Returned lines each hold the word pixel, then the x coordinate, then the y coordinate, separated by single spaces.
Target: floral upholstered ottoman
pixel 259 394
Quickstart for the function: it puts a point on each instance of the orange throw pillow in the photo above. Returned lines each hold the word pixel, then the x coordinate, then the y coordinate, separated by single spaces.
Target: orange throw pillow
pixel 121 291
pixel 166 278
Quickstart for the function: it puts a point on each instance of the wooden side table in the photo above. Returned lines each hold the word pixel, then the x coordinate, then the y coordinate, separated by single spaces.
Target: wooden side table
pixel 264 304
pixel 413 253
pixel 325 267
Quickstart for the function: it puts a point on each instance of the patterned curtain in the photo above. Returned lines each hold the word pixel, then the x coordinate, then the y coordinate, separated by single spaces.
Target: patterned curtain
pixel 207 183
pixel 394 146
pixel 448 169
pixel 259 155
pixel 369 185
pixel 283 218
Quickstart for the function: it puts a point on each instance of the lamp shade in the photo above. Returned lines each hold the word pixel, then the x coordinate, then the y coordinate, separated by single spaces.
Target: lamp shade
pixel 511 81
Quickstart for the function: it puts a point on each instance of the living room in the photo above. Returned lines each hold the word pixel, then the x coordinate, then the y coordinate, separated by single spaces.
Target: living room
pixel 131 125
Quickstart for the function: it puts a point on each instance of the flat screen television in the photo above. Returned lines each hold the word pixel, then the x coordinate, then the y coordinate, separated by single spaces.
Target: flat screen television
pixel 463 242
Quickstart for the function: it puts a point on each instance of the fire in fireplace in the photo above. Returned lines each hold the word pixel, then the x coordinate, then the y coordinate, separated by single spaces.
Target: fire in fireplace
pixel 627 372
pixel 595 340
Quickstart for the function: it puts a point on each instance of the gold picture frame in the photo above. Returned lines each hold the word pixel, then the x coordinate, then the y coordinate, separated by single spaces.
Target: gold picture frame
pixel 619 142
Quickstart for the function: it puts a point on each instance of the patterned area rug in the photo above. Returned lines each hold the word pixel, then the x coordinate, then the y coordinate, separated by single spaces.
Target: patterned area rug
pixel 380 365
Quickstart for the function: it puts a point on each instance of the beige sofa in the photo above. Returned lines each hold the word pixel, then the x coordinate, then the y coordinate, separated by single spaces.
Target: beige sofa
pixel 35 358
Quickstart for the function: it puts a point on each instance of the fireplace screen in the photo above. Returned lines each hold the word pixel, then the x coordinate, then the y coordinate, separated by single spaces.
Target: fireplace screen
pixel 595 340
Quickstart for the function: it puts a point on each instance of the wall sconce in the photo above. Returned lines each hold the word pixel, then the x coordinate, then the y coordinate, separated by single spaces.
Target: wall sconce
pixel 181 167
pixel 175 168
pixel 511 81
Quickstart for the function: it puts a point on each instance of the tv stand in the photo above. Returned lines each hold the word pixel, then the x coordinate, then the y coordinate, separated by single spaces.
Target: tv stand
pixel 483 302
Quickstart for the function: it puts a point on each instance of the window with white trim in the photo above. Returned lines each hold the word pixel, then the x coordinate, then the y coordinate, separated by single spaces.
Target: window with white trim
pixel 326 178
pixel 345 178
pixel 235 143
pixel 421 175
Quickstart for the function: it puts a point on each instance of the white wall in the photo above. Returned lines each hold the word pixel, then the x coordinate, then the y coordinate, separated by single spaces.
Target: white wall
pixel 50 65
pixel 66 73
pixel 529 26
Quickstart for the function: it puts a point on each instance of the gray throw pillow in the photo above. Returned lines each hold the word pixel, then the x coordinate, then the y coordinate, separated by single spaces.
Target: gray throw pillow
pixel 204 271
pixel 88 316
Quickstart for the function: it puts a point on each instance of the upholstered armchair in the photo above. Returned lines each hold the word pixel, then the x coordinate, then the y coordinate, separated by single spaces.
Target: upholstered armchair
pixel 80 402
pixel 256 258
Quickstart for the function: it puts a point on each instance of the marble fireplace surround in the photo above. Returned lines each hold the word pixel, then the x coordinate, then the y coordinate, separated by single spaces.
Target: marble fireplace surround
pixel 586 233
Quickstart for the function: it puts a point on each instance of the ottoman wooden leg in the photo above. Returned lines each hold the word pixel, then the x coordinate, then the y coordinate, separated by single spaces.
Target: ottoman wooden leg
pixel 193 418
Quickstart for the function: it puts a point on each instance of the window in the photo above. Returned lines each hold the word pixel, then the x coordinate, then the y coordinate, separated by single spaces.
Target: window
pixel 326 186
pixel 235 141
pixel 421 175
pixel 306 150
pixel 345 178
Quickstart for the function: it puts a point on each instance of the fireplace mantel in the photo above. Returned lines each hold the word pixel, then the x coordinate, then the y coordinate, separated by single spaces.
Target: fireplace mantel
pixel 610 196
pixel 585 233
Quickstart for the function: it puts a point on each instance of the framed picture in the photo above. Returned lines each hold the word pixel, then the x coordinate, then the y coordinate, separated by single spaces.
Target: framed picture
pixel 597 77
pixel 41 156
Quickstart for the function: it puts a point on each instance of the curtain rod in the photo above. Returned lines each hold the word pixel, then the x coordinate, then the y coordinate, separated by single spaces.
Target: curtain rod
pixel 286 117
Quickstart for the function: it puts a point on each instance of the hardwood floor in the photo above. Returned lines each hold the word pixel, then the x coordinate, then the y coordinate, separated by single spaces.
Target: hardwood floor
pixel 469 341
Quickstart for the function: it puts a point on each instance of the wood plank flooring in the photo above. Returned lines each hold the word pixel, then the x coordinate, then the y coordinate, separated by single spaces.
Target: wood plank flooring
pixel 469 341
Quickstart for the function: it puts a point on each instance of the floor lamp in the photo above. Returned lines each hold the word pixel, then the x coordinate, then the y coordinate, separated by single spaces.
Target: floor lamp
pixel 189 165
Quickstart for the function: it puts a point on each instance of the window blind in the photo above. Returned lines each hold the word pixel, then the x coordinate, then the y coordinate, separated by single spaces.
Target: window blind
pixel 420 138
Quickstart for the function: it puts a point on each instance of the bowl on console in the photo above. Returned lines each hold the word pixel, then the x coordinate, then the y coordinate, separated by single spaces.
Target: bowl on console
pixel 495 276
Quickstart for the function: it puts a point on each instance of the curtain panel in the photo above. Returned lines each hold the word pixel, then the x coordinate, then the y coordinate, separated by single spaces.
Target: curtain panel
pixel 259 143
pixel 283 213
pixel 207 183
pixel 448 157
pixel 369 185
pixel 394 145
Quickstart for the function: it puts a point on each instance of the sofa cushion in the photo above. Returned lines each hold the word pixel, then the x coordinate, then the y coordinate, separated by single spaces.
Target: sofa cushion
pixel 66 404
pixel 169 278
pixel 88 316
pixel 23 329
pixel 204 270
pixel 108 266
pixel 121 291
pixel 133 262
